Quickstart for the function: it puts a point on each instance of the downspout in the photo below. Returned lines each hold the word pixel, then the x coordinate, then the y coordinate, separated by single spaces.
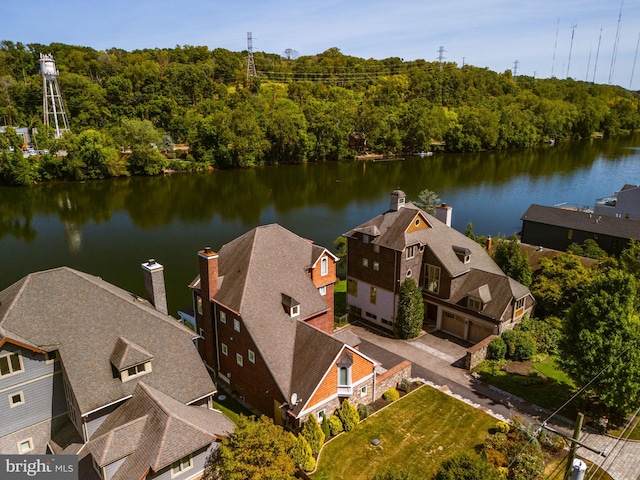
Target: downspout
pixel 215 329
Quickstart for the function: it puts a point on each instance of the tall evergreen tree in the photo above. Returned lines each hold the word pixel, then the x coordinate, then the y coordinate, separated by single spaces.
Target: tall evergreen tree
pixel 410 311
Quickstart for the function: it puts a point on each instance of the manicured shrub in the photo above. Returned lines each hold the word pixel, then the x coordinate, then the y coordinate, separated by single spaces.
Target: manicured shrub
pixel 497 349
pixel 466 466
pixel 406 385
pixel 545 333
pixel 324 425
pixel 391 395
pixel 520 345
pixel 312 433
pixel 364 411
pixel 502 427
pixel 494 457
pixel 302 455
pixel 348 415
pixel 335 425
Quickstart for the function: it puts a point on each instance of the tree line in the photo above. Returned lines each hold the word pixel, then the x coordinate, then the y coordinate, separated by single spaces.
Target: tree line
pixel 127 109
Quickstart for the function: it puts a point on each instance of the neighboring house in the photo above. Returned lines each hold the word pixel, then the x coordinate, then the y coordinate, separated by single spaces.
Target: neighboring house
pixel 623 204
pixel 557 228
pixel 264 307
pixel 464 291
pixel 86 367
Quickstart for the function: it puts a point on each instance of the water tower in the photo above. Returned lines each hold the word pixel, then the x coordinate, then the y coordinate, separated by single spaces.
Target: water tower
pixel 52 106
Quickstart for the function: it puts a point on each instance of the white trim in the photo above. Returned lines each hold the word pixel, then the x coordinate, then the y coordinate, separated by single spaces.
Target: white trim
pixel 18 403
pixel 333 397
pixel 8 356
pixel 28 441
pixel 211 394
pixel 83 415
pixel 335 259
pixel 18 385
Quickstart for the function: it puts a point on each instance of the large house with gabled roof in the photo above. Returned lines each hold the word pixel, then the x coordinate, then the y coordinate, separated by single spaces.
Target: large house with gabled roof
pixel 90 369
pixel 263 305
pixel 465 293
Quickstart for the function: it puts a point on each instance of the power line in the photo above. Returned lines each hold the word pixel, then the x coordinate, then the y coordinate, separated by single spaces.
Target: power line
pixel 615 46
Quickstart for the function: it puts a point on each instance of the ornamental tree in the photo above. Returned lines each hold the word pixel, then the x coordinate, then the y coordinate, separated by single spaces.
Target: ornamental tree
pixel 602 332
pixel 348 415
pixel 510 259
pixel 312 432
pixel 410 311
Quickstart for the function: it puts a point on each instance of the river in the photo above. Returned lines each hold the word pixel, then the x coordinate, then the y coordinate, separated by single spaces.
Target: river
pixel 108 228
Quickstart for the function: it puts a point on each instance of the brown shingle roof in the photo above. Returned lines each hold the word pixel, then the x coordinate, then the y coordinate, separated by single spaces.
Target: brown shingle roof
pixel 83 317
pixel 153 430
pixel 127 354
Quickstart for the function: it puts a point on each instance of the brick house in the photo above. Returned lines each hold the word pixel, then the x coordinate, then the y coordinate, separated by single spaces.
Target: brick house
pixel 465 293
pixel 87 368
pixel 263 306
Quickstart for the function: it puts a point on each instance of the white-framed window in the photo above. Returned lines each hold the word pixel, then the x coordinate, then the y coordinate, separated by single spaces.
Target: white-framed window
pixel 324 266
pixel 25 445
pixel 295 310
pixel 519 307
pixel 321 415
pixel 181 465
pixel 365 238
pixel 239 359
pixel 135 371
pixel 411 251
pixel 323 290
pixel 365 262
pixel 236 324
pixel 51 357
pixel 10 364
pixel 223 317
pixel 225 350
pixel 252 356
pixel 202 332
pixel 409 273
pixel 199 304
pixel 344 377
pixel 474 303
pixel 376 265
pixel 432 282
pixel 16 399
pixel 364 390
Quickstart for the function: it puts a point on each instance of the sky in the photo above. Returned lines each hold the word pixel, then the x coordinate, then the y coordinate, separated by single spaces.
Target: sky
pixel 484 33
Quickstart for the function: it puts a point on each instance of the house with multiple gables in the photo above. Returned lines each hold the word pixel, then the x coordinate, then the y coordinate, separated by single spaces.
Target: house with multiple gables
pixel 263 306
pixel 622 204
pixel 87 368
pixel 560 226
pixel 465 293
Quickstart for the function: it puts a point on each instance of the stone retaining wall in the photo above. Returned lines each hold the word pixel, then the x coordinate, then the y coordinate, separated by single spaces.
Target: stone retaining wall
pixel 392 378
pixel 477 353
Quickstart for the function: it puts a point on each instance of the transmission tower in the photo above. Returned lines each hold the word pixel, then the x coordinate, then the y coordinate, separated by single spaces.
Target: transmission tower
pixel 615 46
pixel 515 68
pixel 441 51
pixel 251 66
pixel 555 46
pixel 52 106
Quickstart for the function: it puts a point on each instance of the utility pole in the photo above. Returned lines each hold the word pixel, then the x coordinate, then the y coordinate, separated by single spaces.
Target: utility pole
pixel 595 67
pixel 574 445
pixel 251 66
pixel 515 69
pixel 573 31
pixel 441 51
pixel 615 46
pixel 555 45
pixel 586 78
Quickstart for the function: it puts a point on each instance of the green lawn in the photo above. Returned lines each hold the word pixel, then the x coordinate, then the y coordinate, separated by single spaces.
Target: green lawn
pixel 416 434
pixel 550 392
pixel 555 471
pixel 340 301
pixel 230 407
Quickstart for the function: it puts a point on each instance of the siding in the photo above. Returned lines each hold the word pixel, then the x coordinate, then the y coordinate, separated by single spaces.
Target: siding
pixel 42 391
pixel 384 308
pixel 199 459
pixel 94 420
pixel 112 468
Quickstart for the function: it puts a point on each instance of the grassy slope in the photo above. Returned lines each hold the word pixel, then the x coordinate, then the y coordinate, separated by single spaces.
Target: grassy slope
pixel 417 433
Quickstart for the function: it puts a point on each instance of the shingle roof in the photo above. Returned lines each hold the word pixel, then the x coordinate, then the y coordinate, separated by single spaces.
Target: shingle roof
pixel 439 238
pixel 83 318
pixel 153 430
pixel 585 221
pixel 127 354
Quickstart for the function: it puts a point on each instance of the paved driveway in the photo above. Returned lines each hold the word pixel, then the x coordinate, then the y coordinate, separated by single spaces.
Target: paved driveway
pixel 439 359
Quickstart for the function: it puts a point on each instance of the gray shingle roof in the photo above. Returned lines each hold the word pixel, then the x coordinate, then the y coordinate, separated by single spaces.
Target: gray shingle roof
pixel 153 431
pixel 585 221
pixel 127 354
pixel 83 317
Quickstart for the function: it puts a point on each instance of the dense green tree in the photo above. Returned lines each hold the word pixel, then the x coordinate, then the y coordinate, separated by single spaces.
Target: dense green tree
pixel 427 201
pixel 302 455
pixel 90 156
pixel 466 466
pixel 410 311
pixel 512 261
pixel 312 432
pixel 256 450
pixel 348 415
pixel 558 284
pixel 601 334
pixel 589 248
pixel 630 259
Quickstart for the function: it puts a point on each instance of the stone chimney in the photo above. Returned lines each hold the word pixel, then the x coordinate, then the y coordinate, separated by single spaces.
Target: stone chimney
pixel 398 200
pixel 443 213
pixel 154 285
pixel 208 263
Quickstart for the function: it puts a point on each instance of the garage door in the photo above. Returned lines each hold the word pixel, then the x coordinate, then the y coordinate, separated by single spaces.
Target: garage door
pixel 452 324
pixel 478 332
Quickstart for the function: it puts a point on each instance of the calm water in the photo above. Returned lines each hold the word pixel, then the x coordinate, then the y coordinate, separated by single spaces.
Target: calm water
pixel 108 228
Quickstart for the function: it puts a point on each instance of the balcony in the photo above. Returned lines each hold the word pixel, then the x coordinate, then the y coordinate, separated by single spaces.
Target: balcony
pixel 345 390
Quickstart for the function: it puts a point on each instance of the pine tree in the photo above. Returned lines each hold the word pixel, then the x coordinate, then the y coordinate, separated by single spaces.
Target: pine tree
pixel 410 311
pixel 312 432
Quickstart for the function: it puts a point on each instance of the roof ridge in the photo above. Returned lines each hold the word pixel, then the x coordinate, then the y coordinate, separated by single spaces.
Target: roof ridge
pixel 245 280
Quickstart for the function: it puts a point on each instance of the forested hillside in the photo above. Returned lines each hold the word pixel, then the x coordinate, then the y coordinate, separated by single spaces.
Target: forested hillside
pixel 127 109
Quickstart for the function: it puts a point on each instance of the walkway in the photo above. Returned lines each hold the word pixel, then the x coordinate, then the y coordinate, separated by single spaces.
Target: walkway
pixel 438 361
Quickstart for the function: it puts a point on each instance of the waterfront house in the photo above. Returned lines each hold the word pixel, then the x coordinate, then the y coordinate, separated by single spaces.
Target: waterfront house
pixel 87 368
pixel 465 293
pixel 622 204
pixel 559 227
pixel 263 305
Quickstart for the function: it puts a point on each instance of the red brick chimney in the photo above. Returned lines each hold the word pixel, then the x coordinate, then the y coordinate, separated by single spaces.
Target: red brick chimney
pixel 208 263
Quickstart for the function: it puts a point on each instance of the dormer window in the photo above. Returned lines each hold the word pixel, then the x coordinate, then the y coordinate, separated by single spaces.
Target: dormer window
pixel 291 306
pixel 344 374
pixel 474 303
pixel 479 297
pixel 463 254
pixel 130 359
pixel 135 371
pixel 324 266
pixel 411 251
pixel 365 238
